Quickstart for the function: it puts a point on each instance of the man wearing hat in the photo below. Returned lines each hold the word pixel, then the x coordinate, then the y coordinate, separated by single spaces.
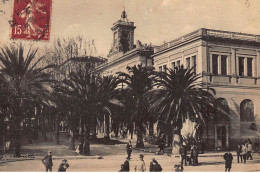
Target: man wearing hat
pixel 63 166
pixel 47 161
pixel 140 165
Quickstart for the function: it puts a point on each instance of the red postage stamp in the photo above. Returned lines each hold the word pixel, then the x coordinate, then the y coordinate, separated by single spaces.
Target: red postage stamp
pixel 31 19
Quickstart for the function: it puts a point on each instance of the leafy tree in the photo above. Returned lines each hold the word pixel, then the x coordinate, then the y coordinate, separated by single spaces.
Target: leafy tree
pixel 22 80
pixel 178 95
pixel 138 82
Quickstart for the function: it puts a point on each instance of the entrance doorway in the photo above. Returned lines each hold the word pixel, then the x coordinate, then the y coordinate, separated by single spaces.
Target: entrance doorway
pixel 221 136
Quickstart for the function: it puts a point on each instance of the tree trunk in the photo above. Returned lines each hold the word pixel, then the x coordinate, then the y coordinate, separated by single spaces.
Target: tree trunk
pixel 139 142
pixel 17 137
pixel 86 146
pixel 57 131
pixel 151 129
pixel 107 131
pixel 176 143
pixel 72 140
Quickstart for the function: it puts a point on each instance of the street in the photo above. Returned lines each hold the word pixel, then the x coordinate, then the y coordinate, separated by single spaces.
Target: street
pixel 112 162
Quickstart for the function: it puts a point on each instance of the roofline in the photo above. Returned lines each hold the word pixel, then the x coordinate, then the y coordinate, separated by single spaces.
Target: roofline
pixel 204 33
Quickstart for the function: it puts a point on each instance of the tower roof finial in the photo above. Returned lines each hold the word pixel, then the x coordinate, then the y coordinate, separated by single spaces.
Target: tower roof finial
pixel 124 14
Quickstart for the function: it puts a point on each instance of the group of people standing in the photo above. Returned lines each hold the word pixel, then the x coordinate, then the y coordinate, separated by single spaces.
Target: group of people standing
pixel 140 164
pixel 244 151
pixel 192 158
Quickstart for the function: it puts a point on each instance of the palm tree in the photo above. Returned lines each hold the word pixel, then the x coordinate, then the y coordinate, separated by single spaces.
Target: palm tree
pixel 180 95
pixel 107 94
pixel 138 82
pixel 81 89
pixel 22 80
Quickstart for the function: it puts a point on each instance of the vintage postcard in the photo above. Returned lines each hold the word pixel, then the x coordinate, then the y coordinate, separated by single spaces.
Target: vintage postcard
pixel 129 85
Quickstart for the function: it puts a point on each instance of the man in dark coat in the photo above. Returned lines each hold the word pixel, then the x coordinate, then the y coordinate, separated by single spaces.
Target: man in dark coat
pixel 47 161
pixel 228 161
pixel 63 166
pixel 161 145
pixel 183 153
pixel 129 150
pixel 155 166
pixel 239 156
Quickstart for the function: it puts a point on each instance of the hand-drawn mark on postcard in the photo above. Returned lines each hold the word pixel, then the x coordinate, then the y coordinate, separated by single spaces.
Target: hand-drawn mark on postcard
pixel 31 19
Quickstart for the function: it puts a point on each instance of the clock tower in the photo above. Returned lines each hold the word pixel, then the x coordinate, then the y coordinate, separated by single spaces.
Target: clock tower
pixel 123 35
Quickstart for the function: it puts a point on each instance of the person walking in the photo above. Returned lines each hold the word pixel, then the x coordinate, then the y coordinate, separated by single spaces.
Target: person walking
pixel 161 145
pixel 140 165
pixel 183 153
pixel 228 161
pixel 47 161
pixel 155 166
pixel 249 150
pixel 244 152
pixel 239 155
pixel 129 149
pixel 63 166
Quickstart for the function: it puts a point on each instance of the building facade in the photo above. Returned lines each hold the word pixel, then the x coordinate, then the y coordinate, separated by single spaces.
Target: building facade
pixel 230 63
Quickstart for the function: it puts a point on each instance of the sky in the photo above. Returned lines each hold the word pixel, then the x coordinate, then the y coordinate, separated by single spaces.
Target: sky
pixel 157 21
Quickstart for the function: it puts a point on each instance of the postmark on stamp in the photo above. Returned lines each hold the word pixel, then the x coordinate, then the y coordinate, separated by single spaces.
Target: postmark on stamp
pixel 31 19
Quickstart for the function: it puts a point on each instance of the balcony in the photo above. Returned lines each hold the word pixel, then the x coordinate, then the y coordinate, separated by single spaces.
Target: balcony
pixel 231 80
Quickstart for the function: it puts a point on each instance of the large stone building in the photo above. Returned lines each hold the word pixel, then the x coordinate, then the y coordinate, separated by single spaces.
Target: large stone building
pixel 229 62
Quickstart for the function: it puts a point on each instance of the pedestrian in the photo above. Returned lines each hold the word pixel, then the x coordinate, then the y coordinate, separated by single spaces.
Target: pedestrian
pixel 228 161
pixel 47 161
pixel 63 166
pixel 239 155
pixel 140 165
pixel 126 165
pixel 183 153
pixel 129 150
pixel 155 166
pixel 161 145
pixel 244 152
pixel 249 150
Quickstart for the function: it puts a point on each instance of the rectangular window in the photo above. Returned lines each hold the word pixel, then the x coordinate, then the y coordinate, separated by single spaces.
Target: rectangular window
pixel 215 64
pixel 173 65
pixel 188 63
pixel 223 64
pixel 241 66
pixel 249 67
pixel 164 68
pixel 194 63
pixel 160 68
pixel 179 64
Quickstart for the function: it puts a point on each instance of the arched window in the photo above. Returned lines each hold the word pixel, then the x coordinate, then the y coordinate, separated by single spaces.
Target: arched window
pixel 222 110
pixel 247 111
